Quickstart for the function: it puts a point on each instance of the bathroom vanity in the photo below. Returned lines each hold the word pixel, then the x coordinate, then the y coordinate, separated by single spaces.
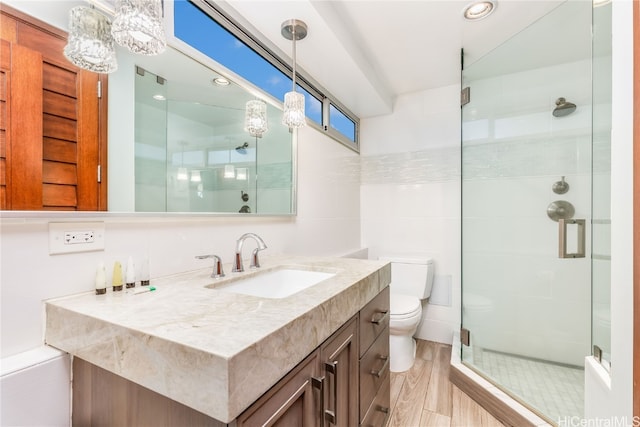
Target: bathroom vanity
pixel 203 351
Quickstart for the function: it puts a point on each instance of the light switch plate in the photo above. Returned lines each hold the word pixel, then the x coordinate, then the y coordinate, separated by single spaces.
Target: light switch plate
pixel 72 237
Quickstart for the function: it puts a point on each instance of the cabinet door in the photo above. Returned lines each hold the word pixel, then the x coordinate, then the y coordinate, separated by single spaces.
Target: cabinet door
pixel 292 402
pixel 339 357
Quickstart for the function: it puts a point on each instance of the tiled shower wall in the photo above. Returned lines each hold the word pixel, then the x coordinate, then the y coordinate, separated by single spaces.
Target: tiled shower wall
pixel 519 297
pixel 410 195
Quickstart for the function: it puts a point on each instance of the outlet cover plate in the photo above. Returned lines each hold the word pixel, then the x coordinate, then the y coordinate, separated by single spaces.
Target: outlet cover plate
pixel 59 232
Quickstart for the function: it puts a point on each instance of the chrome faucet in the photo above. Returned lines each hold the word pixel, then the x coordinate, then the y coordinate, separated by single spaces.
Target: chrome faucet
pixel 218 272
pixel 255 262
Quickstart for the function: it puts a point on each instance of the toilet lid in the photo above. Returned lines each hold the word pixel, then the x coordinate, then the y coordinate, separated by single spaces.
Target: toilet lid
pixel 404 305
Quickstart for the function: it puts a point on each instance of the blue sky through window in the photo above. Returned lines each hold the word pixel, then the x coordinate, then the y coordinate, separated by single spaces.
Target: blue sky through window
pixel 200 31
pixel 196 28
pixel 342 123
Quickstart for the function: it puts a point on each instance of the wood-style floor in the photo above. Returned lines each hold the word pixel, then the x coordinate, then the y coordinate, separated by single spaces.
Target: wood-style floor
pixel 423 395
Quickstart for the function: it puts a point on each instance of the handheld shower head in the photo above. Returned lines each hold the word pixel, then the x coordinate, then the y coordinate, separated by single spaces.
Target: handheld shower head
pixel 563 108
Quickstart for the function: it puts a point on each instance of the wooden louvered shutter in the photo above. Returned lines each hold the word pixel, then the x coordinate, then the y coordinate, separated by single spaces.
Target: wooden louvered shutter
pixel 53 125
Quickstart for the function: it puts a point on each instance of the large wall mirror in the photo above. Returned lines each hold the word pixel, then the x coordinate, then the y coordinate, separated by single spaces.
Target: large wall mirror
pixel 191 152
pixel 176 140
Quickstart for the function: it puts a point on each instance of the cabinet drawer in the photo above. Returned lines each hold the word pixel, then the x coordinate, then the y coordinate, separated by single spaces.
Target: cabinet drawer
pixel 379 411
pixel 374 317
pixel 374 369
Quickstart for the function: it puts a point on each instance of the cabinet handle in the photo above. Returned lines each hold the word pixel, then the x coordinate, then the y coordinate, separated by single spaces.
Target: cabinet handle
pixel 379 317
pixel 318 383
pixel 329 415
pixel 387 411
pixel 384 367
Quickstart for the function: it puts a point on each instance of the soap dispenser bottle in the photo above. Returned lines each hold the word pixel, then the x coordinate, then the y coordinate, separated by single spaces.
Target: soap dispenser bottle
pixel 131 274
pixel 101 280
pixel 144 273
pixel 116 281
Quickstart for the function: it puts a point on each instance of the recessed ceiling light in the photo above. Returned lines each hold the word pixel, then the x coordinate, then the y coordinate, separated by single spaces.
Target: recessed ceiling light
pixel 221 81
pixel 479 10
pixel 159 97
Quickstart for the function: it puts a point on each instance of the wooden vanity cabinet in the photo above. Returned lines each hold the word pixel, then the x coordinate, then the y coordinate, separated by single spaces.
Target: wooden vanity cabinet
pixel 339 363
pixel 293 402
pixel 353 371
pixel 344 382
pixel 374 361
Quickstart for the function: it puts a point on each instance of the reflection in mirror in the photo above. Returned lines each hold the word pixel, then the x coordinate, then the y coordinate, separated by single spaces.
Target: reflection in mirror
pixel 192 153
pixel 144 151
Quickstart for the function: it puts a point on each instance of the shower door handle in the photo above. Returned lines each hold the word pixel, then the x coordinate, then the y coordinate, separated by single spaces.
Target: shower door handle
pixel 562 238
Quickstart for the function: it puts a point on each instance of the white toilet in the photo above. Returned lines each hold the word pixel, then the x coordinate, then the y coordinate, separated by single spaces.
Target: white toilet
pixel 411 282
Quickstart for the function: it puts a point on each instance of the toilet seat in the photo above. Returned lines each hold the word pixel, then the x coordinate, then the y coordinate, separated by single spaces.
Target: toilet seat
pixel 404 306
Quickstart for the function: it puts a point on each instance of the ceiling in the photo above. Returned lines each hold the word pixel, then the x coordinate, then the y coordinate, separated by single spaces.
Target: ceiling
pixel 367 52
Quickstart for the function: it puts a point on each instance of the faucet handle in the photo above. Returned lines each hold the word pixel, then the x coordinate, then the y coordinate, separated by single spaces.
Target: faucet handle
pixel 218 272
pixel 255 262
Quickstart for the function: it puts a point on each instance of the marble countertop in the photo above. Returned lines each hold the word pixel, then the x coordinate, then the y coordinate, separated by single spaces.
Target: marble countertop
pixel 212 350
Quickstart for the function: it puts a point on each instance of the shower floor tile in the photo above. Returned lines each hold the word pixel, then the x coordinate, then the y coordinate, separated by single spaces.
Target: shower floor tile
pixel 557 391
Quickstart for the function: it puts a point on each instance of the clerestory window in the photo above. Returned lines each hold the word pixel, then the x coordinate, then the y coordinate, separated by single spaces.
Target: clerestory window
pixel 209 30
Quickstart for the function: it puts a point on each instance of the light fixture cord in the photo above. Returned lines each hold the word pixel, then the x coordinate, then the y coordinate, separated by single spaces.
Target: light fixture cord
pixel 293 40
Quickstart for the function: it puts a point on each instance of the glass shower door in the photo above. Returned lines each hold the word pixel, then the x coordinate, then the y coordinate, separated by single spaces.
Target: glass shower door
pixel 526 191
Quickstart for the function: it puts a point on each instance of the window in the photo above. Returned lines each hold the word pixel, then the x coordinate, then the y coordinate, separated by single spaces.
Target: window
pixel 340 122
pixel 211 32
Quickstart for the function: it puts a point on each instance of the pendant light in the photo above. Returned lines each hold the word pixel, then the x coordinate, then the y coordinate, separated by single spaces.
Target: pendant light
pixel 294 115
pixel 90 45
pixel 255 118
pixel 138 26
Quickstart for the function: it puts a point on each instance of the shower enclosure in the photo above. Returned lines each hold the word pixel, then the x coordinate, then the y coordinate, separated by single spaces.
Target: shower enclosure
pixel 535 209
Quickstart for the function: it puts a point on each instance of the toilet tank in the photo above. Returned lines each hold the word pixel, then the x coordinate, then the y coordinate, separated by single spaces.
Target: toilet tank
pixel 411 275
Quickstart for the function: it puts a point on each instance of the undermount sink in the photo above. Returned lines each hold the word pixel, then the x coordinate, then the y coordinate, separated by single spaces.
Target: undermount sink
pixel 279 283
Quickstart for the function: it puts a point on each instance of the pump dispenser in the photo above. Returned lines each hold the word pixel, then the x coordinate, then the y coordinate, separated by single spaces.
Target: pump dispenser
pixel 101 280
pixel 131 274
pixel 116 281
pixel 144 273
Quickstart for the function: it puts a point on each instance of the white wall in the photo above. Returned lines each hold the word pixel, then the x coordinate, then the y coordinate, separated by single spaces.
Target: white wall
pixel 410 194
pixel 328 223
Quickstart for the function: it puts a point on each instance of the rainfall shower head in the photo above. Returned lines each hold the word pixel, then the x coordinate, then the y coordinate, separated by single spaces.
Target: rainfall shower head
pixel 242 149
pixel 563 108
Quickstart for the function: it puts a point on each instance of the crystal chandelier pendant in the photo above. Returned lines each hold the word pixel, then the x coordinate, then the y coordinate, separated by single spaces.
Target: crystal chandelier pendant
pixel 293 116
pixel 138 26
pixel 255 118
pixel 293 106
pixel 90 45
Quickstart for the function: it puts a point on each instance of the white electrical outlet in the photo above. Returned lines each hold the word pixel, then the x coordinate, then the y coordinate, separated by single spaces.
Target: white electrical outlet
pixel 68 237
